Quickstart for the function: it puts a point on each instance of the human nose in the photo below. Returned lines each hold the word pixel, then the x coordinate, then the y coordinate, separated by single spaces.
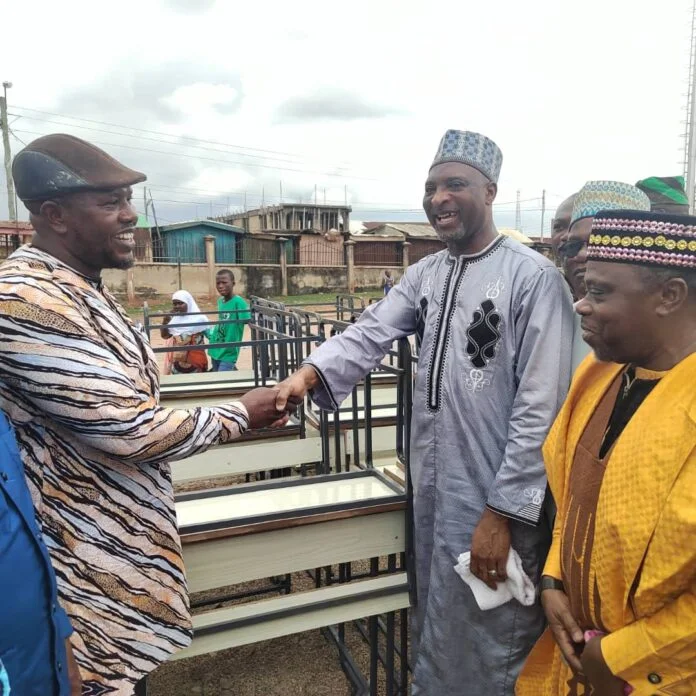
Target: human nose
pixel 128 213
pixel 582 307
pixel 440 196
pixel 581 256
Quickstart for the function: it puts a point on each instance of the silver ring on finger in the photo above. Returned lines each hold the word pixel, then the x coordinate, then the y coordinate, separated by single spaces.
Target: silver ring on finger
pixel 493 573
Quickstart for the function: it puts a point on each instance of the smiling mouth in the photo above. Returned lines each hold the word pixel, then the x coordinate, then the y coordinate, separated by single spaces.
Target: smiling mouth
pixel 445 217
pixel 127 237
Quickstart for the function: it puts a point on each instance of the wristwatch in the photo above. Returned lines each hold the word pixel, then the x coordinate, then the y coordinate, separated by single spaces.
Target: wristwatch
pixel 549 583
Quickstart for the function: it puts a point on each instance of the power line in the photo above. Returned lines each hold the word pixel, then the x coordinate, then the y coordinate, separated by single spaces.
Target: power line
pixel 154 132
pixel 356 206
pixel 260 196
pixel 16 136
pixel 159 140
pixel 383 207
pixel 213 159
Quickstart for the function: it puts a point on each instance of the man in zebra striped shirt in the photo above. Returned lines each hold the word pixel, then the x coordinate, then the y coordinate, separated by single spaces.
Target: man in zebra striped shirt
pixel 80 385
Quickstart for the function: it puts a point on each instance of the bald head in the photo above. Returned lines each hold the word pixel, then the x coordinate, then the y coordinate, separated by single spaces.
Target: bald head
pixel 561 222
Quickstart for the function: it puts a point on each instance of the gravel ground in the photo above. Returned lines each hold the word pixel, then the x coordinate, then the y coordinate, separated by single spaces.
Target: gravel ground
pixel 302 664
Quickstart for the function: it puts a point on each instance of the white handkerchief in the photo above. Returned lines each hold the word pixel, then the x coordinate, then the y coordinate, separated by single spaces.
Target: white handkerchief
pixel 517 586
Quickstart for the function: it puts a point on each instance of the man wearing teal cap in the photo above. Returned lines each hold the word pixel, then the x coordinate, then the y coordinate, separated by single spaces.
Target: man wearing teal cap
pixel 593 197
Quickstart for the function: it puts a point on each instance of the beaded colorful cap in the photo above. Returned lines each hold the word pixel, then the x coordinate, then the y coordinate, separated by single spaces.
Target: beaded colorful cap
pixel 473 149
pixel 607 195
pixel 649 239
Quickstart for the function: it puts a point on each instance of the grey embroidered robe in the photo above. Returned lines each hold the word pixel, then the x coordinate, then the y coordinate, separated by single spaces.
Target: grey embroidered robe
pixel 495 332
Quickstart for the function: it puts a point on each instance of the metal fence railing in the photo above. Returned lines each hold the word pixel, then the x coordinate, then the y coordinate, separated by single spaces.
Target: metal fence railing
pixel 420 248
pixel 261 251
pixel 172 250
pixel 8 244
pixel 319 252
pixel 249 250
pixel 378 253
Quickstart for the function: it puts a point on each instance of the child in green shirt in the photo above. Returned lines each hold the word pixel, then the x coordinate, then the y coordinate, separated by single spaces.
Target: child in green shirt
pixel 225 359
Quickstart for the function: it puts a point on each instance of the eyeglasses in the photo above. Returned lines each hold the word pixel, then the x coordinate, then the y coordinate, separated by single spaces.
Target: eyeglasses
pixel 571 248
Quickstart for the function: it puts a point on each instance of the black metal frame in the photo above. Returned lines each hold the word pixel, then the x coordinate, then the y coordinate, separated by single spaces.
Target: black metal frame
pixel 231 492
pixel 281 328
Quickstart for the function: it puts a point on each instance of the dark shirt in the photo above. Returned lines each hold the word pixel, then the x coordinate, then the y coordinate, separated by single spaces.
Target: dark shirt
pixel 637 385
pixel 33 625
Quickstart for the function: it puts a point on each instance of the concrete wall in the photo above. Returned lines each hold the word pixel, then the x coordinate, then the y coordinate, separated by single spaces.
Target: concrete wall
pixel 370 277
pixel 306 280
pixel 263 281
pixel 153 279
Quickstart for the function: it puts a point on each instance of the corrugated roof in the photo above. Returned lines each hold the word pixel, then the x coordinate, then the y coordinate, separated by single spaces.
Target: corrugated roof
pixel 422 230
pixel 9 227
pixel 515 234
pixel 416 229
pixel 201 223
pixel 419 230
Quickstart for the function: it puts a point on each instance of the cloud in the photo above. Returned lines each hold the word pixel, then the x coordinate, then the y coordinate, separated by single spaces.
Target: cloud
pixel 190 6
pixel 331 104
pixel 131 95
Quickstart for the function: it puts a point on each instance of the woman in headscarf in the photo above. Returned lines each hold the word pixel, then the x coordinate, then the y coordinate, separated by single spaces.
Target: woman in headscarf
pixel 179 332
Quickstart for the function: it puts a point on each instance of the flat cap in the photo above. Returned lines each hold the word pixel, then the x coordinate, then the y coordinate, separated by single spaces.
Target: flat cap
pixel 58 164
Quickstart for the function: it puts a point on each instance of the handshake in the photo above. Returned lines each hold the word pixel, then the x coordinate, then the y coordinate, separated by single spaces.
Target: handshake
pixel 272 406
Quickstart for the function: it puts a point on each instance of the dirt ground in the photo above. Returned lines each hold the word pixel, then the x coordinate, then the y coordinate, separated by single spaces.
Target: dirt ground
pixel 304 664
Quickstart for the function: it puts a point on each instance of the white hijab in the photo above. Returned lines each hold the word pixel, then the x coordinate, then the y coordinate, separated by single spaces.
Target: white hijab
pixel 181 323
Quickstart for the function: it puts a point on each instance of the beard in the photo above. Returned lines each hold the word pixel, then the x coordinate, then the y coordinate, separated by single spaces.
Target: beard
pixel 122 263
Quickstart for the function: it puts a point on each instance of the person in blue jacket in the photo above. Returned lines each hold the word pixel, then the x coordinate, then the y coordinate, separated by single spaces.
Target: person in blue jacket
pixel 35 654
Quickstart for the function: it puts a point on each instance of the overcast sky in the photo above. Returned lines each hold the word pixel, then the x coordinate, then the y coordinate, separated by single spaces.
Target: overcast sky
pixel 353 97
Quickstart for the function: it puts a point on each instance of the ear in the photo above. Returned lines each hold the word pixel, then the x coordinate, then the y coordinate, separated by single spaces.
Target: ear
pixel 491 192
pixel 54 214
pixel 673 295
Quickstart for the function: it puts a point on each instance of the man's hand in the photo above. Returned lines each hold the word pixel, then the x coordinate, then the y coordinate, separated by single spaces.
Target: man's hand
pixel 598 674
pixel 260 404
pixel 490 545
pixel 296 386
pixel 73 671
pixel 563 625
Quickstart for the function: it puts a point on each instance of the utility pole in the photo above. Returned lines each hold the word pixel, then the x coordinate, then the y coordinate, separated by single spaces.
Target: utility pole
pixel 154 215
pixel 518 214
pixel 4 125
pixel 690 140
pixel 281 193
pixel 543 212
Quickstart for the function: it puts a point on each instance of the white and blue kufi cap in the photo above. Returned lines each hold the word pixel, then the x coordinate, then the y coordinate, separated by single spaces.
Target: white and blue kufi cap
pixel 596 196
pixel 473 149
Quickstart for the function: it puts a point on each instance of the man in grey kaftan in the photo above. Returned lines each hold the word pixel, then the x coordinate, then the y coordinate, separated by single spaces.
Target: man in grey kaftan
pixel 494 365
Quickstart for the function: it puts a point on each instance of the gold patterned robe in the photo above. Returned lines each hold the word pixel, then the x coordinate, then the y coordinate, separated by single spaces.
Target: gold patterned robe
pixel 644 555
